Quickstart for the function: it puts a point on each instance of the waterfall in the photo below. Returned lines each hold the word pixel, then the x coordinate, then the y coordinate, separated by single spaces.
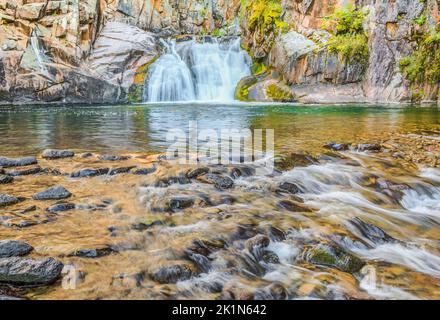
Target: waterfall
pixel 197 71
pixel 39 54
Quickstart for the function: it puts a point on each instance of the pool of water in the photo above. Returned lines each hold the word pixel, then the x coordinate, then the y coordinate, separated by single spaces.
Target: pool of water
pixel 143 128
pixel 379 208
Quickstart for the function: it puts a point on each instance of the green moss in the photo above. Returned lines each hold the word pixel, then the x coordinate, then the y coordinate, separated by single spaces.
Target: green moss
pixel 135 91
pixel 423 65
pixel 349 40
pixel 258 68
pixel 277 93
pixel 242 89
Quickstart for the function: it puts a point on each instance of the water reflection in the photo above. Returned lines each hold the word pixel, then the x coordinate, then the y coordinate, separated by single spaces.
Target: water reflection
pixel 27 130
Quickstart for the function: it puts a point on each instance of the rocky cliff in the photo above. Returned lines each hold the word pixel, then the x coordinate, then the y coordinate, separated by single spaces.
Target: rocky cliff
pixel 98 51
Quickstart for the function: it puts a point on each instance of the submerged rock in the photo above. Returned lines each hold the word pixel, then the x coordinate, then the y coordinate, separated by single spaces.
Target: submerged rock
pixel 5 179
pixel 176 204
pixel 220 181
pixel 368 147
pixel 337 146
pixel 242 171
pixel 274 233
pixel 145 226
pixel 172 274
pixel 25 172
pixel 17 162
pixel 168 181
pixel 292 160
pixel 293 206
pixel 21 271
pixel 111 157
pixel 274 291
pixel 288 187
pixel 92 253
pixel 54 193
pixel 332 256
pixel 197 172
pixel 120 170
pixel 60 207
pixel 14 248
pixel 52 154
pixel 258 242
pixel 7 200
pixel 144 171
pixel 373 233
pixel 270 257
pixel 84 173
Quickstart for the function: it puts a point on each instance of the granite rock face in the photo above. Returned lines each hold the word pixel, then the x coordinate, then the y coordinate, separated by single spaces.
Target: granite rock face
pixel 97 51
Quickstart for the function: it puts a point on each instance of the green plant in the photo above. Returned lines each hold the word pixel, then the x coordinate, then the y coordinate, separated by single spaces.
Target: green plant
pixel 278 93
pixel 420 20
pixel 349 39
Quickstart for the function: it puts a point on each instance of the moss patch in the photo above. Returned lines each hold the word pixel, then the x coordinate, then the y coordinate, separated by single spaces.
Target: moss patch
pixel 136 89
pixel 278 93
pixel 242 89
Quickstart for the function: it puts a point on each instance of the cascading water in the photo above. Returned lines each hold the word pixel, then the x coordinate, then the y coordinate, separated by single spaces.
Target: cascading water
pixel 39 54
pixel 193 71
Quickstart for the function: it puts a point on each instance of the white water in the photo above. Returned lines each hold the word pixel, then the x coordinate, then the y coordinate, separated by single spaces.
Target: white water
pixel 39 54
pixel 193 71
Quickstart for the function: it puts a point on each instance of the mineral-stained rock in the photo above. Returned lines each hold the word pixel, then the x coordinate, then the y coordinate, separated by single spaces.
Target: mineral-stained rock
pixel 57 154
pixel 54 193
pixel 17 162
pixel 14 248
pixel 172 274
pixel 332 256
pixel 22 271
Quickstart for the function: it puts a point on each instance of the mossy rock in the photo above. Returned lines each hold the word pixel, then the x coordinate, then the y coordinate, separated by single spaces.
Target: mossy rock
pixel 136 89
pixel 279 93
pixel 334 257
pixel 242 89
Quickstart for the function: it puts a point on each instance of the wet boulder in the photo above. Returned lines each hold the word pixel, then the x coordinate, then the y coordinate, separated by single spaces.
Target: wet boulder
pixel 270 257
pixel 197 172
pixel 85 173
pixel 292 160
pixel 332 256
pixel 145 226
pixel 53 193
pixel 7 200
pixel 202 262
pixel 92 253
pixel 288 187
pixel 337 146
pixel 258 242
pixel 111 157
pixel 206 247
pixel 17 162
pixel 293 206
pixel 274 233
pixel 22 271
pixel 172 274
pixel 371 232
pixel 52 154
pixel 14 248
pixel 176 204
pixel 144 171
pixel 274 291
pixel 368 147
pixel 244 231
pixel 241 171
pixel 25 171
pixel 5 179
pixel 168 181
pixel 221 182
pixel 61 207
pixel 120 170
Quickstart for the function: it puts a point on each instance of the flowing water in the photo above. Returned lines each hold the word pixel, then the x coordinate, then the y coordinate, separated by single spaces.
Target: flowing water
pixel 197 71
pixel 376 207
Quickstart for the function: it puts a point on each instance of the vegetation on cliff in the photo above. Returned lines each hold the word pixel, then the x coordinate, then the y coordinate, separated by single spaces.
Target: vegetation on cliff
pixel 422 67
pixel 349 38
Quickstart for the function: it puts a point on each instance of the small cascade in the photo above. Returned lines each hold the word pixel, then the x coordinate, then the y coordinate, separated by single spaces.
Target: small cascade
pixel 197 71
pixel 40 56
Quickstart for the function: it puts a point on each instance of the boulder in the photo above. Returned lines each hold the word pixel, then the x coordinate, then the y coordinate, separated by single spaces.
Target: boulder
pixel 61 207
pixel 334 257
pixel 5 179
pixel 24 171
pixel 54 193
pixel 57 154
pixel 172 274
pixel 14 248
pixel 17 162
pixel 22 271
pixel 7 200
pixel 83 173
